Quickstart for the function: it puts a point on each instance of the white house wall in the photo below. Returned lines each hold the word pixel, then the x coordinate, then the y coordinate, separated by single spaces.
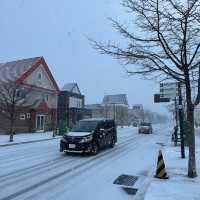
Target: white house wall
pixel 37 95
pixel 45 81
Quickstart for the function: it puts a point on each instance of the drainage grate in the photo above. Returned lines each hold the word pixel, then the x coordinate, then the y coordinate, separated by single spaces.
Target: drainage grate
pixel 130 191
pixel 126 180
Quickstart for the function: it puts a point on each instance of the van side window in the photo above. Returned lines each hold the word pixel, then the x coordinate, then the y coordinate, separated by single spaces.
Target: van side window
pixel 100 125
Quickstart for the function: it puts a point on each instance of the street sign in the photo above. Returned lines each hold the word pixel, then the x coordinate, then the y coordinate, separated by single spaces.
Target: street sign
pixel 169 90
pixel 159 99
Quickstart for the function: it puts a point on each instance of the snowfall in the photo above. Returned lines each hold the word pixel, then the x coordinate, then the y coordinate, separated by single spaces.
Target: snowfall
pixel 39 171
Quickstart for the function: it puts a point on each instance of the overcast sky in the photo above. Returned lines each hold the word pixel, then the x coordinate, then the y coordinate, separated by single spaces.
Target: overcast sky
pixel 57 30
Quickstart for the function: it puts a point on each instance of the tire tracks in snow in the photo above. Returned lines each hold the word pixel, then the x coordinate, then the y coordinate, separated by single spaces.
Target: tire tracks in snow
pixel 9 159
pixel 24 170
pixel 47 165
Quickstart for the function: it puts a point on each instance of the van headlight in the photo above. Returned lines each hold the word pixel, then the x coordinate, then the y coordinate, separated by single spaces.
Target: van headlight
pixel 86 139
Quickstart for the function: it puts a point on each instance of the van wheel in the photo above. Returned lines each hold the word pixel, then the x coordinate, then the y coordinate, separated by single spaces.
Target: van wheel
pixel 95 149
pixel 112 143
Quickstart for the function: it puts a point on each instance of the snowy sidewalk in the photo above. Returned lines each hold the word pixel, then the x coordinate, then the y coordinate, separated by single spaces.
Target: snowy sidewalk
pixel 178 186
pixel 26 138
pixel 33 137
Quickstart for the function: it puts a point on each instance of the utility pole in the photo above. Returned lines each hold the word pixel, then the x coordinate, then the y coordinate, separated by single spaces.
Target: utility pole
pixel 180 108
pixel 114 112
pixel 176 120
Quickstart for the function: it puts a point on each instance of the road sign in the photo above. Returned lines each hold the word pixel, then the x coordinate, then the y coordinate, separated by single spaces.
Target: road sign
pixel 169 90
pixel 159 99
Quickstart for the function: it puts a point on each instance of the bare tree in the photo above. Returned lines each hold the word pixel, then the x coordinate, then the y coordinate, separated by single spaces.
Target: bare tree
pixel 13 97
pixel 163 43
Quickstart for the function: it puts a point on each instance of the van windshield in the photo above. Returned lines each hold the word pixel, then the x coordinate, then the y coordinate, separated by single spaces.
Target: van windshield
pixel 145 124
pixel 85 126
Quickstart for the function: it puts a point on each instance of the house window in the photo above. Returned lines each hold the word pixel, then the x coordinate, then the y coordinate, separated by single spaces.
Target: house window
pixel 20 93
pixel 28 115
pixel 17 92
pixel 47 97
pixel 39 77
pixel 22 117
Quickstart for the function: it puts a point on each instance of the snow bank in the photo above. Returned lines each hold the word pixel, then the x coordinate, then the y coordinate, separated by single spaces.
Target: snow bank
pixel 26 137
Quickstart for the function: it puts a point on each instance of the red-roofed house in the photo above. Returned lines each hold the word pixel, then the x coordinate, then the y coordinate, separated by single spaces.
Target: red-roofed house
pixel 33 74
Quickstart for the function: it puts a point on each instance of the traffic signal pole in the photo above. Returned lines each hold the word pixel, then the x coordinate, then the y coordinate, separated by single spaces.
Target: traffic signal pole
pixel 180 109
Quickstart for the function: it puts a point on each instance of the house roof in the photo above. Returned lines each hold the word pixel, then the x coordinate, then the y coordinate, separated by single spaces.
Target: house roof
pixel 19 70
pixel 11 71
pixel 70 86
pixel 115 99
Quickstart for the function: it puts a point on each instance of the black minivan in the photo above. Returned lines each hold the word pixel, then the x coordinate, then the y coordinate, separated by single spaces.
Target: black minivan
pixel 89 136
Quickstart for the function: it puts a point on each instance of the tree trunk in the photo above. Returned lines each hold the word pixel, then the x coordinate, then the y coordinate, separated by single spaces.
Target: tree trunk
pixel 191 135
pixel 191 141
pixel 11 130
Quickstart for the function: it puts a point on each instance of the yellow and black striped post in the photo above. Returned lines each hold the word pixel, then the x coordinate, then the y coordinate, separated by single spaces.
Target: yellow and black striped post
pixel 160 171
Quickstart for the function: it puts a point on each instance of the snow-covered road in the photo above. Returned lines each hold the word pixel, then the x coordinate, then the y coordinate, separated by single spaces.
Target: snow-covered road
pixel 39 171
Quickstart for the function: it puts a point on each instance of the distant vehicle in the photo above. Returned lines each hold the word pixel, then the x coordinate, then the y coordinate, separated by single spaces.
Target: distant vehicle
pixel 135 124
pixel 89 136
pixel 145 128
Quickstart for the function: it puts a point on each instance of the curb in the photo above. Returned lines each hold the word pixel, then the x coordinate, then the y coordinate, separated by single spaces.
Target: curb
pixel 146 184
pixel 26 142
pixel 140 195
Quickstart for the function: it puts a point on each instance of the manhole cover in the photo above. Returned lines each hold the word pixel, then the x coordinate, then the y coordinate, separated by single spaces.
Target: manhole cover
pixel 126 180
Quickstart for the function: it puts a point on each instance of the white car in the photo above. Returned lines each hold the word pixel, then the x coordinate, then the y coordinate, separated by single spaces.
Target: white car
pixel 145 128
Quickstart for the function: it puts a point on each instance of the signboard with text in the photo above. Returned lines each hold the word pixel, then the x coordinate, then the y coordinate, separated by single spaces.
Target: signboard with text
pixel 169 90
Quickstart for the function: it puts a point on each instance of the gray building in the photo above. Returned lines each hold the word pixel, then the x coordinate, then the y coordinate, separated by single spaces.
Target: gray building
pixel 136 114
pixel 97 110
pixel 112 107
pixel 116 107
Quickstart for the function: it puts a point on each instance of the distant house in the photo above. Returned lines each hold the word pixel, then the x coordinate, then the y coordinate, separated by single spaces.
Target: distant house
pixel 112 107
pixel 71 105
pixel 32 74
